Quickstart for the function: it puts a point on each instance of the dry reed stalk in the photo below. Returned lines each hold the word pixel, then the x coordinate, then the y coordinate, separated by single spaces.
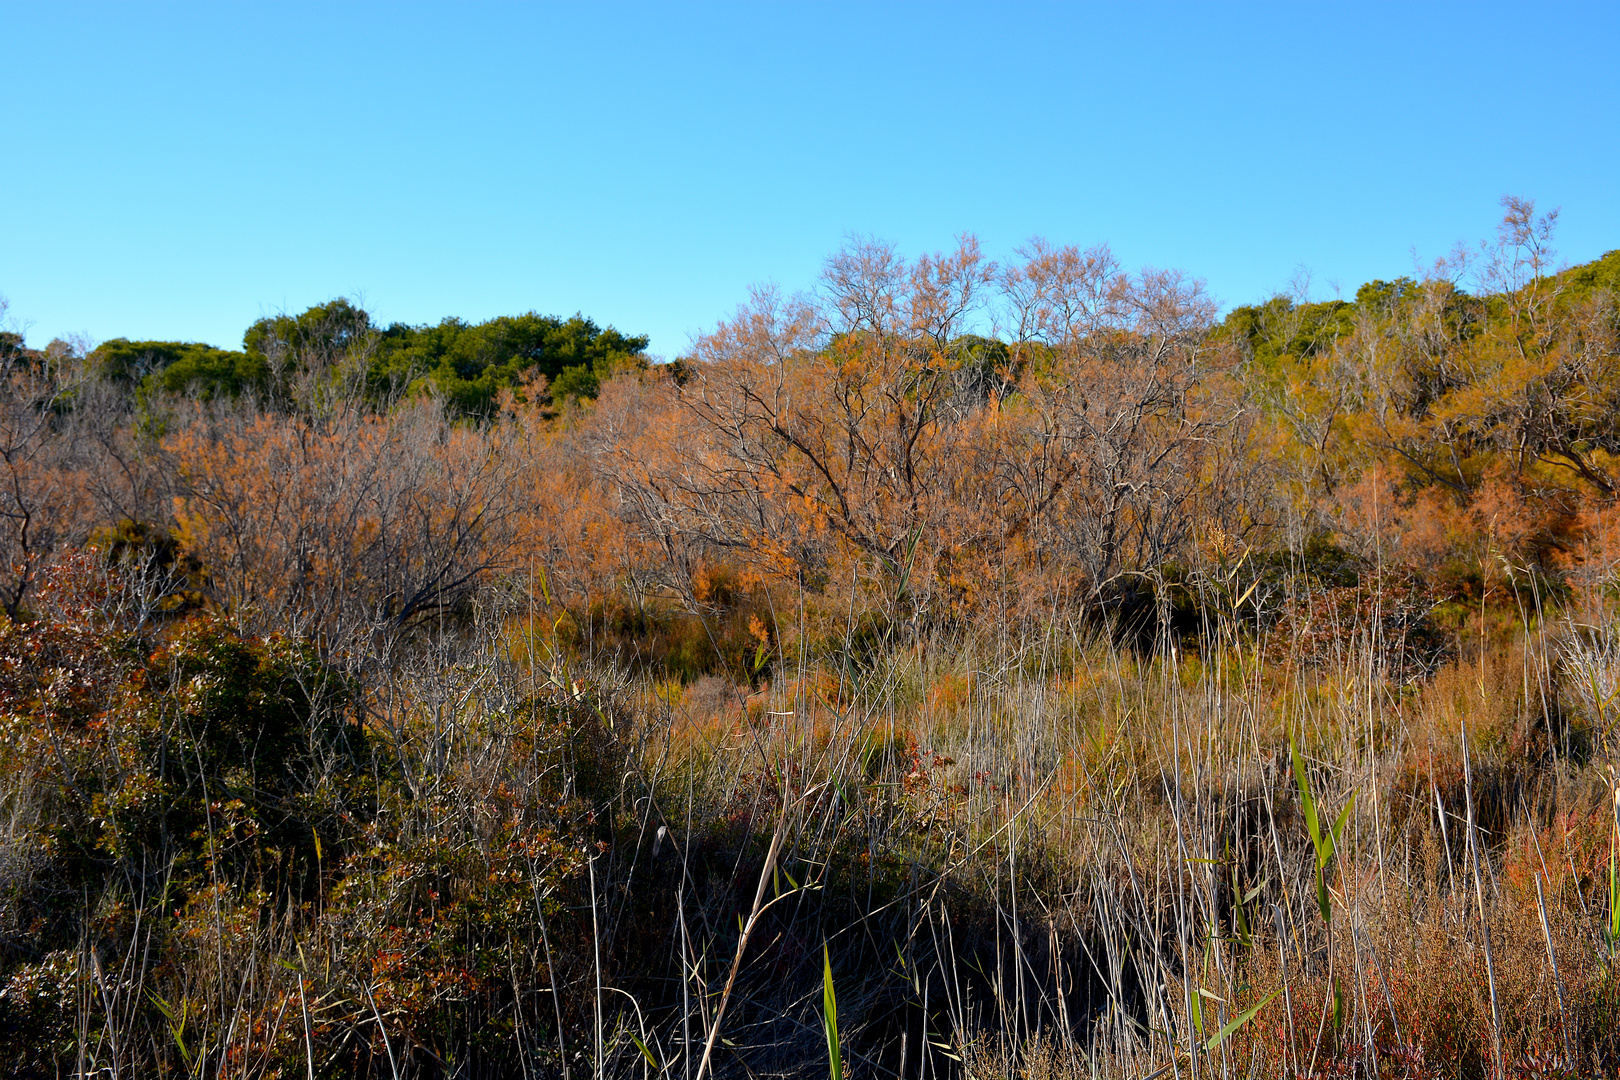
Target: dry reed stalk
pixel 1552 961
pixel 742 940
pixel 1479 895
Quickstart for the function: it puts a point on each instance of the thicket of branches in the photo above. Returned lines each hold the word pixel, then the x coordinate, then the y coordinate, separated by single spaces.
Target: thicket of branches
pixel 989 646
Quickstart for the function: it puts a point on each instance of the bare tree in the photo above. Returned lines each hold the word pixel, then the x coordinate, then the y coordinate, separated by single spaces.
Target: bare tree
pixel 42 495
pixel 869 426
pixel 1115 382
pixel 346 527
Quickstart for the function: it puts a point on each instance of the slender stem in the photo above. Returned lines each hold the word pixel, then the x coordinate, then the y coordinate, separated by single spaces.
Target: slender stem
pixel 1479 896
pixel 742 940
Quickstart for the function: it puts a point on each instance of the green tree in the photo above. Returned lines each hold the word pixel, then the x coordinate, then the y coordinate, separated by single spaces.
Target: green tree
pixel 177 367
pixel 469 363
pixel 321 334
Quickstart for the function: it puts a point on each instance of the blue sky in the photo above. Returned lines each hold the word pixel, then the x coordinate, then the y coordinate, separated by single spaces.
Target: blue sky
pixel 175 172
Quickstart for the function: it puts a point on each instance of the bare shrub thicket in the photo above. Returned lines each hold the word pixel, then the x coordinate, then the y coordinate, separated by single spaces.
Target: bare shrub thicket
pixel 864 433
pixel 346 526
pixel 960 670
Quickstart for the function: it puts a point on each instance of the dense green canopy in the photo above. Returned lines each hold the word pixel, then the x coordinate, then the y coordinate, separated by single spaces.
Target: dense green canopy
pixel 468 364
pixel 179 367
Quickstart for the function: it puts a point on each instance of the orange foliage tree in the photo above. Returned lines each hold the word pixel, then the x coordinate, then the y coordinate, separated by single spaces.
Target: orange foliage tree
pixel 344 526
pixel 866 435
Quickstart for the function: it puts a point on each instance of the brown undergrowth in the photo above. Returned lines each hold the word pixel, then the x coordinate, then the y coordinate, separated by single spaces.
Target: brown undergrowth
pixel 1043 855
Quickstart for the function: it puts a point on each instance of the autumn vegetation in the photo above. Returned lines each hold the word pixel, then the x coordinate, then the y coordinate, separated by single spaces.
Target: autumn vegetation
pixel 960 669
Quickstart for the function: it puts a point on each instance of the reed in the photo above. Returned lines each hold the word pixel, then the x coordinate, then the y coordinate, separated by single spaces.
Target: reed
pixel 1027 852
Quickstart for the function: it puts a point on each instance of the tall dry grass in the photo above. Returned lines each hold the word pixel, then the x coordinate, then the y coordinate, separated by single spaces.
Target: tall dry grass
pixel 1031 852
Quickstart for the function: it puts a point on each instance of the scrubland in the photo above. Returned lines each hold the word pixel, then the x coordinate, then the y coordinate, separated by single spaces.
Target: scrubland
pixel 961 670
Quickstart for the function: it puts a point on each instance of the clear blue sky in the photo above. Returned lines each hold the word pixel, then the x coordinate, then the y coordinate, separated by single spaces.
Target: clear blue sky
pixel 175 172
